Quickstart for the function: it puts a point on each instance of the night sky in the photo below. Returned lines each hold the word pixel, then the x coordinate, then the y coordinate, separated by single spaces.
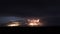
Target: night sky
pixel 48 9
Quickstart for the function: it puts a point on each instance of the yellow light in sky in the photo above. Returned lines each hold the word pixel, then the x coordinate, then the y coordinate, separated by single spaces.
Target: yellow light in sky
pixel 34 22
pixel 14 24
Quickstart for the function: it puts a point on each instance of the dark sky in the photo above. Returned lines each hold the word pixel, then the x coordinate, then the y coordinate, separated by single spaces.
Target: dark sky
pixel 46 8
pixel 33 8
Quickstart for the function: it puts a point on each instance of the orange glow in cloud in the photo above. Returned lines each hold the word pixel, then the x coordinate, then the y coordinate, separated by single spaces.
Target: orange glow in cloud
pixel 13 24
pixel 34 22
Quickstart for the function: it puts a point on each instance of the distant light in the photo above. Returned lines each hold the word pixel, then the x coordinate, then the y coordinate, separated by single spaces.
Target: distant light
pixel 12 24
pixel 34 22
